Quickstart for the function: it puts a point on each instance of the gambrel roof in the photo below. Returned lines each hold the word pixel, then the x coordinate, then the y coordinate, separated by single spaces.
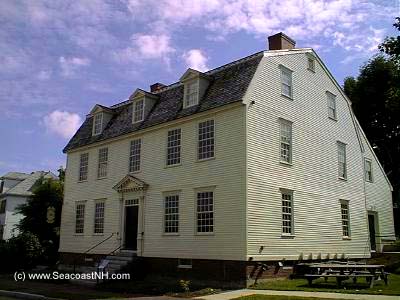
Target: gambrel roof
pixel 228 84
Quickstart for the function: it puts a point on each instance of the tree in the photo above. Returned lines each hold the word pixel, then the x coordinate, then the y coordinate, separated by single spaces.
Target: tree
pixel 391 45
pixel 375 96
pixel 42 215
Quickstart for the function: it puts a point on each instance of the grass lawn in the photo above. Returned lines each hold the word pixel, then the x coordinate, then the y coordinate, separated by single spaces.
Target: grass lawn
pixel 267 297
pixel 319 285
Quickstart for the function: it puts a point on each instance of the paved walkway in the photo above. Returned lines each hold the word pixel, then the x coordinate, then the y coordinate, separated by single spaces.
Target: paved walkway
pixel 245 292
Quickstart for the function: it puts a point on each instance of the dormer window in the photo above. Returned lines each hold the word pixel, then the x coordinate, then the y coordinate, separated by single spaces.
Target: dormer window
pixel 191 94
pixel 138 110
pixel 98 124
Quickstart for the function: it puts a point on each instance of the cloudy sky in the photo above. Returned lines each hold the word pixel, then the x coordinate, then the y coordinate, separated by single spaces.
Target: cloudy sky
pixel 58 57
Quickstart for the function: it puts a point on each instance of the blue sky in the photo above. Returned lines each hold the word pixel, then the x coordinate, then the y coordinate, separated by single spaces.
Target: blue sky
pixel 59 58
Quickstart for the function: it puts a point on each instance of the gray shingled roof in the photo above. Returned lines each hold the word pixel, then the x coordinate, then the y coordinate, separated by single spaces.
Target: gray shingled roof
pixel 24 188
pixel 15 176
pixel 228 84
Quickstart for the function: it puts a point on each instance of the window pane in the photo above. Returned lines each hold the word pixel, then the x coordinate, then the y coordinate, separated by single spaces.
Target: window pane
pixel 79 218
pixel 134 158
pixel 287 213
pixel 138 111
pixel 286 141
pixel 99 217
pixel 103 162
pixel 206 140
pixel 171 214
pixel 83 166
pixel 174 147
pixel 205 212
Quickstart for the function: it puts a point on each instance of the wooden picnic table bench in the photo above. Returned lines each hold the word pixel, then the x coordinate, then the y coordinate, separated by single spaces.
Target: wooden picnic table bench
pixel 346 271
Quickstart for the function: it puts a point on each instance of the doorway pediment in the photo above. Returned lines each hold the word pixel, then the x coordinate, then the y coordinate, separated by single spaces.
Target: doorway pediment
pixel 130 184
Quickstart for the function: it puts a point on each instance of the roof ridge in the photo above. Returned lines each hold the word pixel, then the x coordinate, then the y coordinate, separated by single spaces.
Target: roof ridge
pixel 209 72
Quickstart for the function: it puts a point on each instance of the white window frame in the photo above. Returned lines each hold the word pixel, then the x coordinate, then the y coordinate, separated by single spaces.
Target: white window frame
pixel 332 110
pixel 285 141
pixel 171 213
pixel 99 216
pixel 342 160
pixel 287 212
pixel 205 212
pixel 206 140
pixel 174 145
pixel 97 123
pixel 84 166
pixel 191 91
pixel 135 155
pixel 311 64
pixel 138 110
pixel 102 163
pixel 345 218
pixel 368 174
pixel 289 83
pixel 80 208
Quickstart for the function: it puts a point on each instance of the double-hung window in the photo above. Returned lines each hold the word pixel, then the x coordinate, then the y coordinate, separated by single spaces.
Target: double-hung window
pixel 344 207
pixel 103 162
pixel 285 141
pixel 206 140
pixel 134 157
pixel 171 216
pixel 138 110
pixel 331 98
pixel 83 166
pixel 286 82
pixel 79 217
pixel 368 169
pixel 342 166
pixel 174 147
pixel 287 212
pixel 311 64
pixel 205 212
pixel 99 217
pixel 98 124
pixel 191 94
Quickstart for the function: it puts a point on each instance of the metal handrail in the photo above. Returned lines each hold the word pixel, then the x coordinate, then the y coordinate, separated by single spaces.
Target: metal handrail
pixel 119 247
pixel 98 244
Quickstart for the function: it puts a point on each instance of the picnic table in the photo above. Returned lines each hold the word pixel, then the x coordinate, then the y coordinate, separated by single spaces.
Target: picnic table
pixel 344 271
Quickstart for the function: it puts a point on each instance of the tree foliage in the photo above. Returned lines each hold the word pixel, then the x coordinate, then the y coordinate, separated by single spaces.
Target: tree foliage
pixel 375 96
pixel 42 215
pixel 391 45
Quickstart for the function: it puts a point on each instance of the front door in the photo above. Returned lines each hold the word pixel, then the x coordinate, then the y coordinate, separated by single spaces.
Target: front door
pixel 131 227
pixel 372 234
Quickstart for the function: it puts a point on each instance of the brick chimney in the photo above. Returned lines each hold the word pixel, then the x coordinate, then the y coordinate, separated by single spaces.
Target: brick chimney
pixel 156 86
pixel 280 41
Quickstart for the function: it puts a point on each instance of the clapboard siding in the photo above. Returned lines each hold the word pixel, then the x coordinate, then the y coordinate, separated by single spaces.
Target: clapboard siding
pixel 314 174
pixel 226 173
pixel 379 197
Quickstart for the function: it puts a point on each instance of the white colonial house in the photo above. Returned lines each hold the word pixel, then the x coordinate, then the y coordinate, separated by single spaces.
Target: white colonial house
pixel 259 160
pixel 15 189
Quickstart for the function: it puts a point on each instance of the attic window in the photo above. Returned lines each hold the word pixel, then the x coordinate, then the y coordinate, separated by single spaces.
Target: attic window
pixel 311 64
pixel 98 124
pixel 191 94
pixel 138 110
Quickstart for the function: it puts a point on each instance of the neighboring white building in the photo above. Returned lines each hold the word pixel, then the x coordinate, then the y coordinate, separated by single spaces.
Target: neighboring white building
pixel 259 160
pixel 15 189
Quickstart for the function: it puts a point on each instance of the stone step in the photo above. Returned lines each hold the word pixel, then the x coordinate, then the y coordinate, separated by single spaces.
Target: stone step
pixel 127 253
pixel 119 258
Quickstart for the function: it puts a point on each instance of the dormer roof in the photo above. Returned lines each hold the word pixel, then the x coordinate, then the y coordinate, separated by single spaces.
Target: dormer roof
pixel 139 93
pixel 100 108
pixel 192 73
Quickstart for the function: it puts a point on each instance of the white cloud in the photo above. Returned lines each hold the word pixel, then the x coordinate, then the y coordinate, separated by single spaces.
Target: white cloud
pixel 196 59
pixel 146 46
pixel 62 123
pixel 44 75
pixel 69 66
